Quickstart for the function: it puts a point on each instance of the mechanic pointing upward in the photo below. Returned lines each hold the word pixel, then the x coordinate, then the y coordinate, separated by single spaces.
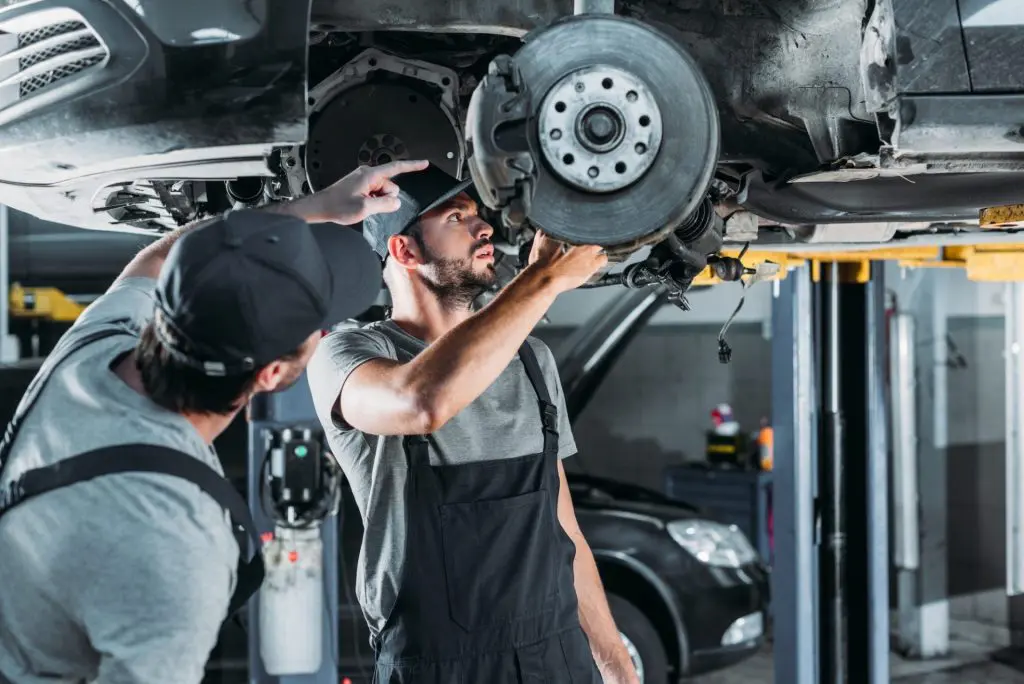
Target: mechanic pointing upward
pixel 450 426
pixel 117 562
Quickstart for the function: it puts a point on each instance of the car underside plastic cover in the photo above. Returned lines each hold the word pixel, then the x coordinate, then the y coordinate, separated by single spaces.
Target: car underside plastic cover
pixel 600 129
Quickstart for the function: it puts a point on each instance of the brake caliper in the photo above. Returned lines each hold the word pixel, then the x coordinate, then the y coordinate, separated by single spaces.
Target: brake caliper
pixel 500 159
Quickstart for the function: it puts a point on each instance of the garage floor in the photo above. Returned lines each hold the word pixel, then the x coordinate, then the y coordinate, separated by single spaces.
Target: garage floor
pixel 972 665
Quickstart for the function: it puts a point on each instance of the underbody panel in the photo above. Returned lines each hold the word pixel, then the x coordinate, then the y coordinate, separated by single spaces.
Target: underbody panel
pixel 129 116
pixel 167 104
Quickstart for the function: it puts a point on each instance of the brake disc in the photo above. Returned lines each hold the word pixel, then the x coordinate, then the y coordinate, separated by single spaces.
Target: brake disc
pixel 600 130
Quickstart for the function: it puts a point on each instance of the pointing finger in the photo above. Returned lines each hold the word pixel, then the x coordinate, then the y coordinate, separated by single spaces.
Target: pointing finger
pixel 398 167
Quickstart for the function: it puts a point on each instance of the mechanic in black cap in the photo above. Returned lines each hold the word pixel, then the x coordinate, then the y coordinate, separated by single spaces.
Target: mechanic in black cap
pixel 450 426
pixel 117 561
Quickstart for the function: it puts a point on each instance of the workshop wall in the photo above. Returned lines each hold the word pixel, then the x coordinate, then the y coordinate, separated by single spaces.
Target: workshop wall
pixel 655 405
pixel 976 518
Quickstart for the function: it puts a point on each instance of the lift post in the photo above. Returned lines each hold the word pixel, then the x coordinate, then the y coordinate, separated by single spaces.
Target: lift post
pixel 860 342
pixel 291 409
pixel 831 478
pixel 831 483
pixel 793 580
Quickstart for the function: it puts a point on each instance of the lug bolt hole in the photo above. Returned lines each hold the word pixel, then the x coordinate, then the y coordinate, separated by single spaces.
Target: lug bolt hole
pixel 620 167
pixel 559 107
pixel 607 84
pixel 645 120
pixel 568 159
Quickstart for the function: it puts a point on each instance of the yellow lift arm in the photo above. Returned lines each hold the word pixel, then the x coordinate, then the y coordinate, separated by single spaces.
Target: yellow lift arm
pixel 47 303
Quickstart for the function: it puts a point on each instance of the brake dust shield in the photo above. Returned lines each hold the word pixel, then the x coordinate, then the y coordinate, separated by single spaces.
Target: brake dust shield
pixel 600 130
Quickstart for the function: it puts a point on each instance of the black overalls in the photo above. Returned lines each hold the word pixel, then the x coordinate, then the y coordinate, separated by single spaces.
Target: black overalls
pixel 486 593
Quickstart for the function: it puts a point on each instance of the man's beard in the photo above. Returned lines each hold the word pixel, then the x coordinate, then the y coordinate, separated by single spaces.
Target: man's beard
pixel 454 281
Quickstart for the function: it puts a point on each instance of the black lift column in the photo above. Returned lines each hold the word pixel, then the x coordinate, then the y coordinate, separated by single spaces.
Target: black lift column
pixel 853 624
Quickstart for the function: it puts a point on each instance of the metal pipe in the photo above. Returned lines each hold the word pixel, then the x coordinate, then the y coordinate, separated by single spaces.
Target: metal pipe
pixel 593 7
pixel 833 339
pixel 832 639
pixel 1014 359
pixel 774 243
pixel 906 535
pixel 5 281
pixel 877 483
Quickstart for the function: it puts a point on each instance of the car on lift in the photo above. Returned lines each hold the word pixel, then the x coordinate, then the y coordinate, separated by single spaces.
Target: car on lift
pixel 781 122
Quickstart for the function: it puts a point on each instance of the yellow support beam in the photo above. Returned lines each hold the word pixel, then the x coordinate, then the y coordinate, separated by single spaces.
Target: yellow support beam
pixel 43 302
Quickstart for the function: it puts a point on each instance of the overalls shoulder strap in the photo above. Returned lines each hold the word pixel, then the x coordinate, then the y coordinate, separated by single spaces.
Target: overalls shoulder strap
pixel 151 458
pixel 548 410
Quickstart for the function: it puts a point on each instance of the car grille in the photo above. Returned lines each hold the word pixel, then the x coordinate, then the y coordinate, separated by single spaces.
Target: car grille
pixel 49 51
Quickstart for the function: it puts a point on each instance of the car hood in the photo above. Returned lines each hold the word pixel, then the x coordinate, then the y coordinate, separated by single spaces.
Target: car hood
pixel 597 493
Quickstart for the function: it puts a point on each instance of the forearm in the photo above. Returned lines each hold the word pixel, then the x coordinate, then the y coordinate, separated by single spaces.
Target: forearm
pixel 609 652
pixel 457 367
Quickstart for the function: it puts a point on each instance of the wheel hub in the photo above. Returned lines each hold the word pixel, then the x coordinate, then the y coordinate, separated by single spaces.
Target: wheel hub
pixel 600 128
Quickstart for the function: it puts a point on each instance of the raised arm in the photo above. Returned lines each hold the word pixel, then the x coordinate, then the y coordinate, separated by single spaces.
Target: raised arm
pixel 367 190
pixel 384 397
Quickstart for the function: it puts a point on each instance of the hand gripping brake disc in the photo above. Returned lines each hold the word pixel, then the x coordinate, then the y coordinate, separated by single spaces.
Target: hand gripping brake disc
pixel 600 130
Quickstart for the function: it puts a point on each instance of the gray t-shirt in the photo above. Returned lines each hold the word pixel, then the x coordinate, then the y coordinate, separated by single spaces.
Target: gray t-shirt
pixel 503 422
pixel 125 578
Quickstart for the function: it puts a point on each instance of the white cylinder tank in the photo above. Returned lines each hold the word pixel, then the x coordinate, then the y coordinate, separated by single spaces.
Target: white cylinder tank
pixel 291 600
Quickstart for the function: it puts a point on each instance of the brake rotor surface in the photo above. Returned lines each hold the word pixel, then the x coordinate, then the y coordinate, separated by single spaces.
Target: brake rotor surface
pixel 375 123
pixel 626 130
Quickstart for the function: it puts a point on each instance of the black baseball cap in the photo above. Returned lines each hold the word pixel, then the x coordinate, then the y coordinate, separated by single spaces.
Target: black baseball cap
pixel 419 192
pixel 252 285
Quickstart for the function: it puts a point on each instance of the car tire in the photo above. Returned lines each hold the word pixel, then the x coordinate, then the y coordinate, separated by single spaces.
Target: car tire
pixel 641 639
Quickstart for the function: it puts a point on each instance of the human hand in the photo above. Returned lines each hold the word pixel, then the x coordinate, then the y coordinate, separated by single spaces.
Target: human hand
pixel 569 266
pixel 366 191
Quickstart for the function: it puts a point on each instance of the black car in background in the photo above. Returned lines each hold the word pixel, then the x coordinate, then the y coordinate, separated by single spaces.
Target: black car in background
pixel 688 593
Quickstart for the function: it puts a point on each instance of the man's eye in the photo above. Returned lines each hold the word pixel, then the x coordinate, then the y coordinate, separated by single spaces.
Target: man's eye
pixel 455 218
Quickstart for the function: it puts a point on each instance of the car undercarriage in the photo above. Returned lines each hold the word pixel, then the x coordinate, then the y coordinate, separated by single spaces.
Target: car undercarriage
pixel 679 125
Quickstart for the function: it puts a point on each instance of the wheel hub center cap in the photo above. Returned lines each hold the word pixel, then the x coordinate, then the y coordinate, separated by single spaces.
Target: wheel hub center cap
pixel 600 128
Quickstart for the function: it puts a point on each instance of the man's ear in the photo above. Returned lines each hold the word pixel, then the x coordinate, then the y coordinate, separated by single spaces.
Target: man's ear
pixel 269 377
pixel 404 250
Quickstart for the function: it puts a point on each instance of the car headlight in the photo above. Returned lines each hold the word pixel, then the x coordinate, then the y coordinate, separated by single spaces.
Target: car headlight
pixel 713 543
